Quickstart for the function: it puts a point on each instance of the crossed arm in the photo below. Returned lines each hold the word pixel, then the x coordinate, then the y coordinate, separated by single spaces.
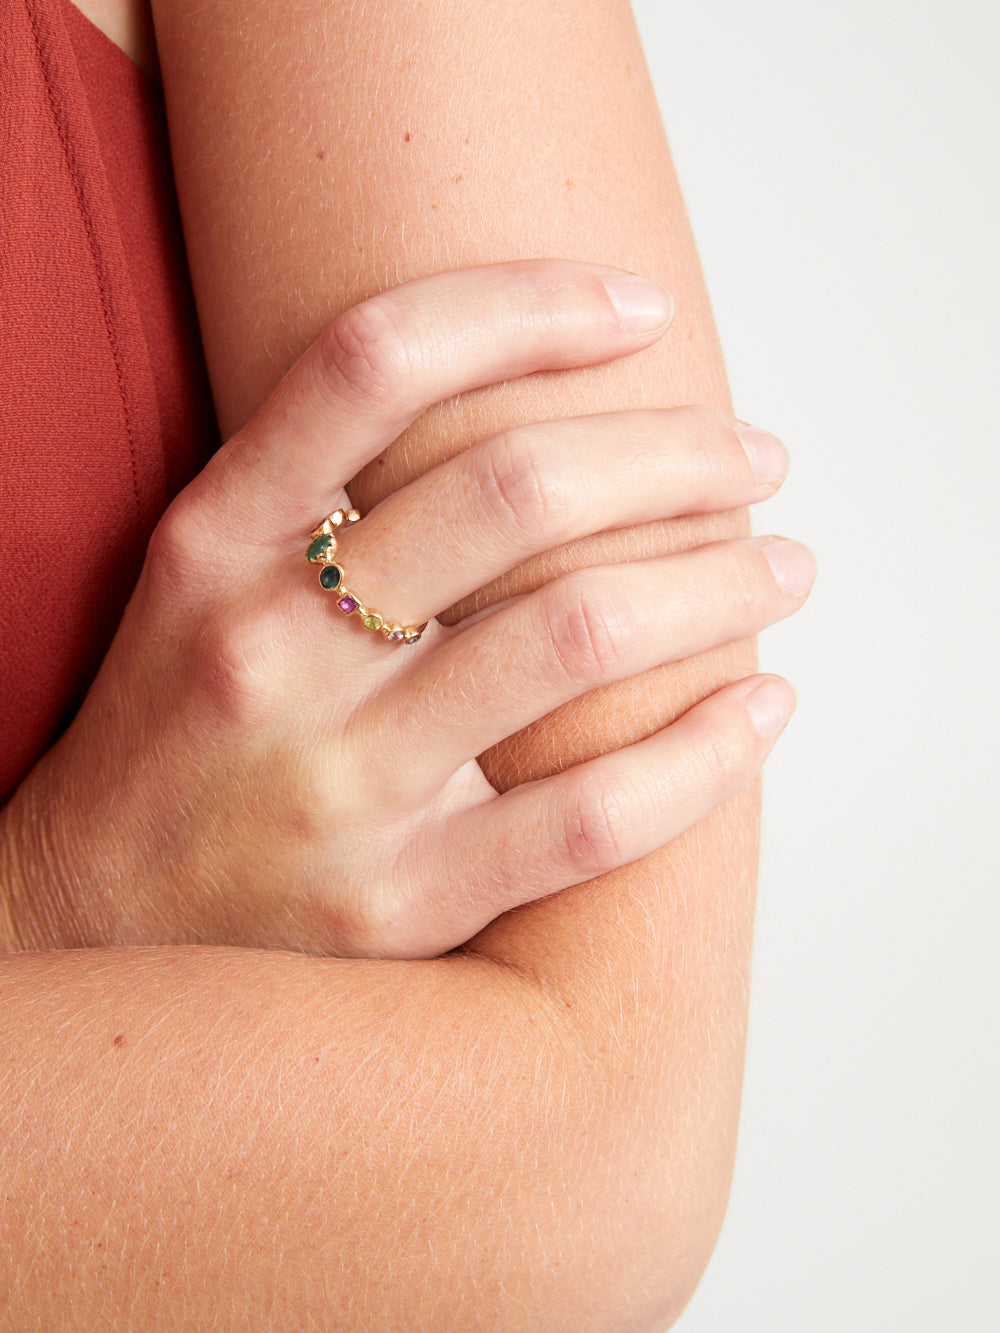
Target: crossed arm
pixel 535 1132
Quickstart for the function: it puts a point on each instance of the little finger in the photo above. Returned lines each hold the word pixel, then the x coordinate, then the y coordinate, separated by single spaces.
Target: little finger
pixel 545 836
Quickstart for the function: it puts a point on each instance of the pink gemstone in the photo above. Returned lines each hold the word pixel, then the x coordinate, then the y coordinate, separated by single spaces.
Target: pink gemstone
pixel 347 605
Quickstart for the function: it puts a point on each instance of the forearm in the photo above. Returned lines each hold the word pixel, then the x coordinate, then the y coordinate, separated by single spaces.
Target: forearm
pixel 242 1140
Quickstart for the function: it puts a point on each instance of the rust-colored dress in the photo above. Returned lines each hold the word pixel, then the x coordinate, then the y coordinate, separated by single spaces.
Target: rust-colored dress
pixel 104 406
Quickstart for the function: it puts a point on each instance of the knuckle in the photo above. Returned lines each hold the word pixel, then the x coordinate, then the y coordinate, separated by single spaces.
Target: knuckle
pixel 384 914
pixel 368 926
pixel 385 917
pixel 179 545
pixel 521 488
pixel 597 828
pixel 716 455
pixel 723 759
pixel 591 634
pixel 238 669
pixel 184 550
pixel 548 286
pixel 700 422
pixel 314 803
pixel 364 354
pixel 748 583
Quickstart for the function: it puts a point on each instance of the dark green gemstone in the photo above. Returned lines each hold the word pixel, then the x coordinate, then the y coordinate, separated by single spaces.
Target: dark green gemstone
pixel 317 547
pixel 330 577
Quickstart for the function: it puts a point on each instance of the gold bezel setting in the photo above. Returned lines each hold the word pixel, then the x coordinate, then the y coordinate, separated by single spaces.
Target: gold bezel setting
pixel 322 551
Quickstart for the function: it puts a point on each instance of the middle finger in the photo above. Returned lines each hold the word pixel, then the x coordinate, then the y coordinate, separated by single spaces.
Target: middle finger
pixel 536 487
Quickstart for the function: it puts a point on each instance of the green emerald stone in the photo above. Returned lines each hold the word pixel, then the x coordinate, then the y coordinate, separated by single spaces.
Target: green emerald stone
pixel 318 546
pixel 330 577
pixel 372 622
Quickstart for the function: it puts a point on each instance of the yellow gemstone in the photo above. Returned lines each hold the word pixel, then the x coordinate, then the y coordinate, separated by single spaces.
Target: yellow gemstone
pixel 372 621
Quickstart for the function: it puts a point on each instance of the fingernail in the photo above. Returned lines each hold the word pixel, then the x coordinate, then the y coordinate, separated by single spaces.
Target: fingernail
pixel 770 706
pixel 768 456
pixel 794 565
pixel 642 306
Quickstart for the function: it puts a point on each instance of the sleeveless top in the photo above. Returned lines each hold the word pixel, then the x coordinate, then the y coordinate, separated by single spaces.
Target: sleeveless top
pixel 104 406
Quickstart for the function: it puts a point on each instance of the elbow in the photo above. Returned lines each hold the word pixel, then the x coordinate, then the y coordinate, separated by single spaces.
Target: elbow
pixel 622 1210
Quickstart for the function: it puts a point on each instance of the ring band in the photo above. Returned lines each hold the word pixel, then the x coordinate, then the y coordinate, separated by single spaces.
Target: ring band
pixel 322 550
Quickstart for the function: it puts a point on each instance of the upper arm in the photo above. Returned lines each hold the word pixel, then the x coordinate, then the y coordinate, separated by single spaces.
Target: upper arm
pixel 324 151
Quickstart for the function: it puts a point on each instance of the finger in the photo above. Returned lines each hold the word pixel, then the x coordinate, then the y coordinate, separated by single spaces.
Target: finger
pixel 589 820
pixel 538 486
pixel 384 361
pixel 584 630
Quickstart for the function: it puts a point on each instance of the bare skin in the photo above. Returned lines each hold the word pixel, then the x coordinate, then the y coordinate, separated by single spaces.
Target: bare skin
pixel 129 24
pixel 536 1132
pixel 221 786
pixel 353 191
pixel 473 1073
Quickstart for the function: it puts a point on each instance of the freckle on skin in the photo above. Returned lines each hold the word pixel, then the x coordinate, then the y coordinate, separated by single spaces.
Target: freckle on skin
pixel 457 178
pixel 320 156
pixel 406 136
pixel 119 1040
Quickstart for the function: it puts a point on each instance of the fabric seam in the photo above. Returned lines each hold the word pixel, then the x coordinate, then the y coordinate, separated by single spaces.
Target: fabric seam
pixel 88 227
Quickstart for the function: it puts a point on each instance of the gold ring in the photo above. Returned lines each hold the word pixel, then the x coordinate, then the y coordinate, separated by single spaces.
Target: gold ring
pixel 322 550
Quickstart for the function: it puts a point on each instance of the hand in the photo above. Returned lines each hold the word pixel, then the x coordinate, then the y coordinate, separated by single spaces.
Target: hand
pixel 253 767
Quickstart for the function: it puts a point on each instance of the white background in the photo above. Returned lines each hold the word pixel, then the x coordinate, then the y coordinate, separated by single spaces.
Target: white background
pixel 840 167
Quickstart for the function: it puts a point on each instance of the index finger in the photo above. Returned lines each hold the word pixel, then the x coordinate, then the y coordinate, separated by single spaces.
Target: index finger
pixel 384 361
